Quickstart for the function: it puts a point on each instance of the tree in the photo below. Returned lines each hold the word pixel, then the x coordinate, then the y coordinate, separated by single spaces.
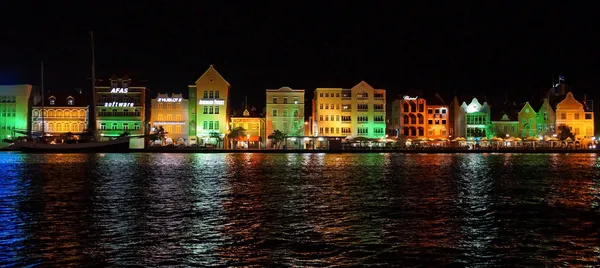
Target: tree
pixel 236 133
pixel 564 132
pixel 217 136
pixel 277 137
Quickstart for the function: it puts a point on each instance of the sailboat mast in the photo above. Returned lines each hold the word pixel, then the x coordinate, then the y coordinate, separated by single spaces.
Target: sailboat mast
pixel 92 111
pixel 43 100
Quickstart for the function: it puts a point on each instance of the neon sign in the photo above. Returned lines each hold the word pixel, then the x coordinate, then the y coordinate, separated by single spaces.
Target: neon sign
pixel 410 98
pixel 211 102
pixel 118 104
pixel 169 99
pixel 119 90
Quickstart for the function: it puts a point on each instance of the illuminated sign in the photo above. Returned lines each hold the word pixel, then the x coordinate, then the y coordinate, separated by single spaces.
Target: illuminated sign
pixel 169 99
pixel 169 123
pixel 410 98
pixel 118 104
pixel 211 102
pixel 119 90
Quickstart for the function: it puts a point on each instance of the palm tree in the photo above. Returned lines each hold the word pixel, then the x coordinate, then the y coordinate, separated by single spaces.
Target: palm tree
pixel 277 137
pixel 217 136
pixel 236 133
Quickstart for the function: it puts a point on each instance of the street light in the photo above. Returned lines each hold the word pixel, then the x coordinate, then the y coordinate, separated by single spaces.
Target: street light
pixel 507 135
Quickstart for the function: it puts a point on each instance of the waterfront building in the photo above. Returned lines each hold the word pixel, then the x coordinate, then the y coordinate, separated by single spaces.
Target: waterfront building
pixel 571 113
pixel 62 113
pixel 285 111
pixel 438 125
pixel 527 121
pixel 355 112
pixel 208 108
pixel 15 101
pixel 171 112
pixel 121 108
pixel 505 127
pixel 410 115
pixel 477 119
pixel 456 119
pixel 255 125
pixel 546 119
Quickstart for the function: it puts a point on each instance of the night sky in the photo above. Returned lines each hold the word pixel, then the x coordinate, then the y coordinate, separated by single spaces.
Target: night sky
pixel 483 50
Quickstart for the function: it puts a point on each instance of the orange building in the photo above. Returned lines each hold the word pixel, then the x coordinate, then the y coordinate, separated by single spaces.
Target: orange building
pixel 571 112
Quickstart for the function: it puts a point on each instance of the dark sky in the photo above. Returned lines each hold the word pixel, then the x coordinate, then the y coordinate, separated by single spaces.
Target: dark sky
pixel 486 50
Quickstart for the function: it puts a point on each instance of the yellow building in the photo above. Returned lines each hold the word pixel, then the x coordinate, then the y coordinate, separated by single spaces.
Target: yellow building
pixel 255 126
pixel 570 112
pixel 208 108
pixel 437 121
pixel 171 112
pixel 355 112
pixel 285 111
pixel 61 114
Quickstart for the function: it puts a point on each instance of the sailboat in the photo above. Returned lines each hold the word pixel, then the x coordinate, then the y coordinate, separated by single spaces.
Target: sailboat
pixel 84 146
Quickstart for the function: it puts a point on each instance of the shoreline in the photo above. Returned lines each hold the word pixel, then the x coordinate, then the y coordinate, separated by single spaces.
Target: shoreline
pixel 354 151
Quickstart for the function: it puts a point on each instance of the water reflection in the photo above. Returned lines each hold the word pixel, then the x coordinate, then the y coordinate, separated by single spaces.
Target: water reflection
pixel 299 209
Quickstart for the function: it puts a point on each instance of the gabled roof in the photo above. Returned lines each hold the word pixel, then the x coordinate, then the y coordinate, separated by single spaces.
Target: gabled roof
pixel 212 68
pixel 61 99
pixel 569 103
pixel 252 112
pixel 527 105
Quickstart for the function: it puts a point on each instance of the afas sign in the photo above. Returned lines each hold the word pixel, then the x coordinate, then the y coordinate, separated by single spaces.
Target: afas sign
pixel 119 90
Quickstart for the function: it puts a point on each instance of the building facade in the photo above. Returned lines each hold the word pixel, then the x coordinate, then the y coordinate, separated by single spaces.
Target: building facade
pixel 527 122
pixel 355 112
pixel 457 120
pixel 477 119
pixel 505 127
pixel 61 114
pixel 571 113
pixel 14 111
pixel 255 126
pixel 208 108
pixel 410 116
pixel 121 108
pixel 546 119
pixel 171 113
pixel 438 125
pixel 285 111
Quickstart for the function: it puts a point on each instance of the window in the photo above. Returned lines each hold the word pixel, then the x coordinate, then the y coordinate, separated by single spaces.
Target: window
pixel 321 95
pixel 337 118
pixel 114 126
pixel 321 106
pixel 52 101
pixel 430 122
pixel 337 95
pixel 211 109
pixel 205 125
pixel 274 100
pixel 102 126
pixel 178 117
pixel 363 130
pixel 406 119
pixel 429 111
pixel 378 95
pixel 169 106
pixel 295 100
pixel 205 96
pixel 337 106
pixel 295 112
pixel 274 112
pixel 437 111
pixel 345 106
pixel 205 109
pixel 443 122
pixel 421 108
pixel 216 109
pixel 405 105
pixel 136 126
pixel 346 118
pixel 576 116
pixel 444 112
pixel 178 129
pixel 362 119
pixel 378 118
pixel 563 116
pixel 125 126
pixel 160 117
pixel 169 117
pixel 216 94
pixel 326 117
pixel 588 117
pixel 285 112
pixel 378 107
pixel 326 106
pixel 320 117
pixel 210 124
pixel 70 101
pixel 526 110
pixel 216 124
pixel 211 95
pixel 363 107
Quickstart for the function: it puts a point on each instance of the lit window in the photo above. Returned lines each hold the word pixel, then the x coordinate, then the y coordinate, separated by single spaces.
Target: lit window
pixel 70 101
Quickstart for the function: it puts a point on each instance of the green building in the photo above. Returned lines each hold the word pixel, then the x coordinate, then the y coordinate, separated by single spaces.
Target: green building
pixel 15 103
pixel 477 119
